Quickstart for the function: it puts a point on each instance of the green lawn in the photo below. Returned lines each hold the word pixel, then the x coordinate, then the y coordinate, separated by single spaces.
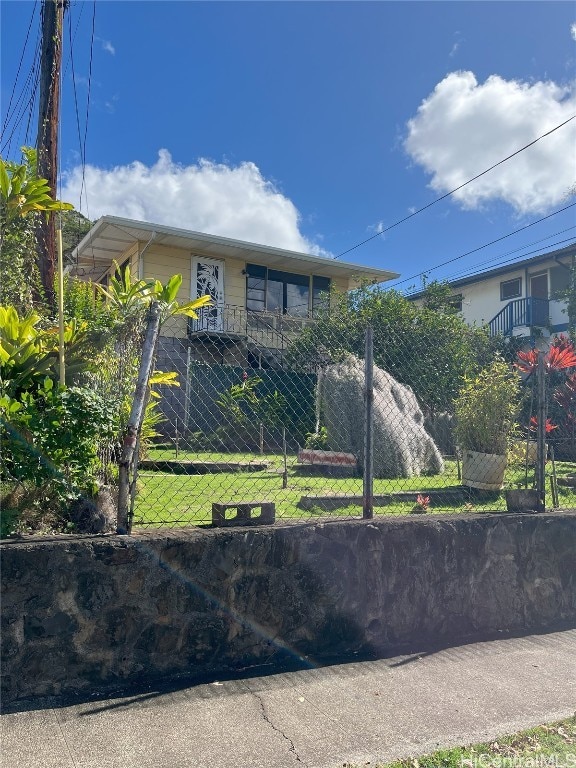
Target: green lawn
pixel 173 499
pixel 551 745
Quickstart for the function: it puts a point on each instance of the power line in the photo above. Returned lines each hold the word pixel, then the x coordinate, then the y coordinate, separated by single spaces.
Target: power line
pixel 462 275
pixel 83 186
pixel 473 270
pixel 82 138
pixel 32 105
pixel 75 30
pixel 21 106
pixel 443 197
pixel 19 68
pixel 481 247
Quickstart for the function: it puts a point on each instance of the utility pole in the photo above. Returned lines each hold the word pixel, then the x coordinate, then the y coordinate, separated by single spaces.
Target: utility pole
pixel 47 140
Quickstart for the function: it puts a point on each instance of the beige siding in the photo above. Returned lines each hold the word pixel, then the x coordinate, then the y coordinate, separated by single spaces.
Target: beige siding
pixel 234 283
pixel 160 262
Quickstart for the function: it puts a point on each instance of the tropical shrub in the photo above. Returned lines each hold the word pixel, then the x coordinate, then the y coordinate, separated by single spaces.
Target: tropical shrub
pixel 560 369
pixel 29 353
pixel 428 348
pixel 317 441
pixel 243 409
pixel 487 409
pixel 23 198
pixel 50 438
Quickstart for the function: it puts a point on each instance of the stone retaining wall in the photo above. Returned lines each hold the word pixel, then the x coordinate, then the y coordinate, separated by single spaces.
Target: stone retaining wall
pixel 84 614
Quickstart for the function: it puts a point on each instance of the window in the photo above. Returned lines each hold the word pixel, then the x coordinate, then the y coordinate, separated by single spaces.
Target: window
pixel 320 293
pixel 256 288
pixel 283 292
pixel 119 272
pixel 559 281
pixel 511 289
pixel 456 301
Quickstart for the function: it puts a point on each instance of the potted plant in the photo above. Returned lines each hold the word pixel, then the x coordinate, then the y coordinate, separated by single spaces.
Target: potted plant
pixel 486 410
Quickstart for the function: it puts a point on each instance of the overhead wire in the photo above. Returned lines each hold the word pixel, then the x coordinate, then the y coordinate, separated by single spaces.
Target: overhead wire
pixel 543 250
pixel 71 5
pixel 474 270
pixel 486 245
pixel 92 34
pixel 82 132
pixel 32 108
pixel 21 106
pixel 19 68
pixel 456 189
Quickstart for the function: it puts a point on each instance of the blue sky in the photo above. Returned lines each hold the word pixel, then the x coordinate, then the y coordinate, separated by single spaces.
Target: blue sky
pixel 313 125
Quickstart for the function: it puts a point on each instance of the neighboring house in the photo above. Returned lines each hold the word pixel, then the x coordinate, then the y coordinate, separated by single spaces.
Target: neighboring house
pixel 261 296
pixel 517 299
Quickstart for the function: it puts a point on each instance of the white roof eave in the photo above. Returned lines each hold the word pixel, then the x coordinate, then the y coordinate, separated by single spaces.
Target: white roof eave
pixel 111 236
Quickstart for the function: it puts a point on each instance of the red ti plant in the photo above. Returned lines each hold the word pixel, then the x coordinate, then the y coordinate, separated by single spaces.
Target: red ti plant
pixel 565 401
pixel 559 357
pixel 560 365
pixel 422 503
pixel 534 425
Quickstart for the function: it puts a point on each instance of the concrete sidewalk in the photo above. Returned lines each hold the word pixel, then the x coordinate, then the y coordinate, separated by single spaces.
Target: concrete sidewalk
pixel 358 712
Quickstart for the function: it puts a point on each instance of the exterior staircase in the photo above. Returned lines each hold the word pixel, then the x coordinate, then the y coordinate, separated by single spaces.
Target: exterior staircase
pixel 520 313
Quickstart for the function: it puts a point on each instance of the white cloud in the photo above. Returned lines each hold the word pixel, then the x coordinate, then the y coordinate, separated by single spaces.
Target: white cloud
pixel 107 46
pixel 378 227
pixel 231 201
pixel 455 48
pixel 464 127
pixel 573 31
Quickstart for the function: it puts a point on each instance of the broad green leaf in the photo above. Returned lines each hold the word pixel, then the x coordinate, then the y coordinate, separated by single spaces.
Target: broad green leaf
pixel 4 180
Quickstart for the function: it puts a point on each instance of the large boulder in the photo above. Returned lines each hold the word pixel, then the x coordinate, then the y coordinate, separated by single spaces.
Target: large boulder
pixel 402 447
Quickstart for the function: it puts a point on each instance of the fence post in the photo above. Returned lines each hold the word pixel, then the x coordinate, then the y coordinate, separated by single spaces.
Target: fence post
pixel 368 479
pixel 541 433
pixel 124 522
pixel 285 458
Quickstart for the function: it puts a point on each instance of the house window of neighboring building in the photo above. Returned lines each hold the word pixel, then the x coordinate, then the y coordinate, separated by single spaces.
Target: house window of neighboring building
pixel 456 302
pixel 511 289
pixel 270 290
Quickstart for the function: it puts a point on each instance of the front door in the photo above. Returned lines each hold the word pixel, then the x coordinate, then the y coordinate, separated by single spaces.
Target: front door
pixel 539 290
pixel 208 279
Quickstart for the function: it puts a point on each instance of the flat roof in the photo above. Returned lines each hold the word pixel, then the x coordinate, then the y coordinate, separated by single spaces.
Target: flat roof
pixel 111 236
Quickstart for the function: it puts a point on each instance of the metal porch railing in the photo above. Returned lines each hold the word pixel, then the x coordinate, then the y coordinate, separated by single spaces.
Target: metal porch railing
pixel 520 312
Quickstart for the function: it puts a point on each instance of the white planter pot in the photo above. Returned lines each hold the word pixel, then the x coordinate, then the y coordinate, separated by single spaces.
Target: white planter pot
pixel 484 471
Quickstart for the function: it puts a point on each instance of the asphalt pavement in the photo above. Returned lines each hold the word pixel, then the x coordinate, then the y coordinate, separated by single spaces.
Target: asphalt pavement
pixel 360 713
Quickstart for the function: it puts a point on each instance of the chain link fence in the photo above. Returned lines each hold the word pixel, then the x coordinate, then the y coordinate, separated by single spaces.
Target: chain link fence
pixel 300 419
pixel 247 417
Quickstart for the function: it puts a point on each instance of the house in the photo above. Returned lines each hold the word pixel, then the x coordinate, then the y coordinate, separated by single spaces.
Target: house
pixel 261 296
pixel 519 298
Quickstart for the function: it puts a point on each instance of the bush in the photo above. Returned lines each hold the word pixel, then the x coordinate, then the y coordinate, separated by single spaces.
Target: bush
pixel 487 408
pixel 50 447
pixel 427 348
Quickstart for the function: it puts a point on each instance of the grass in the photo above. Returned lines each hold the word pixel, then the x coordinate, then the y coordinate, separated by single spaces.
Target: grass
pixel 548 746
pixel 165 498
